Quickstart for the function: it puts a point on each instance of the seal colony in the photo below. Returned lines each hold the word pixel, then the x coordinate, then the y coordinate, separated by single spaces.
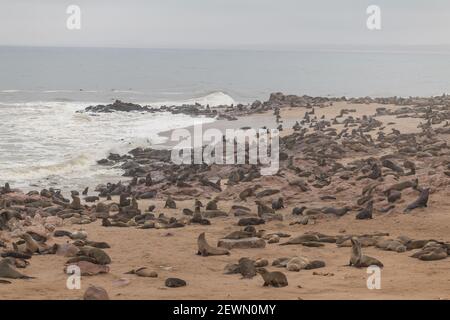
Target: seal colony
pixel 358 179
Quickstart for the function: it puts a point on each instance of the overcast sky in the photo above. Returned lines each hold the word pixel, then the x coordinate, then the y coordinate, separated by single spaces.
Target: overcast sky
pixel 273 24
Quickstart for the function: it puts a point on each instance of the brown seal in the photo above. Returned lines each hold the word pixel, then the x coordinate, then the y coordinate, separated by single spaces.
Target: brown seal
pixel 274 279
pixel 7 271
pixel 204 249
pixel 421 202
pixel 359 260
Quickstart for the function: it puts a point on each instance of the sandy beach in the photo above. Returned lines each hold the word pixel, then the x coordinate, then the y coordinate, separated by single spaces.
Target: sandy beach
pixel 172 252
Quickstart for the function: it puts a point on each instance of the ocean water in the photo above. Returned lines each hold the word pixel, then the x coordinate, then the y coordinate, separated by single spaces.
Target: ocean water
pixel 44 142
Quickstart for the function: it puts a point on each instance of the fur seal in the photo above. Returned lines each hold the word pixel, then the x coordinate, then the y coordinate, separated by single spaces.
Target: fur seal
pixel 336 211
pixel 198 203
pixel 247 268
pixel 421 202
pixel 263 209
pixel 393 196
pixel 204 249
pixel 7 271
pixel 252 221
pixel 366 213
pixel 298 211
pixel 212 205
pixel 89 268
pixel 99 256
pixel 170 203
pixel 76 203
pixel 359 260
pixel 274 279
pixel 277 204
pixel 31 245
pixel 143 272
pixel 95 293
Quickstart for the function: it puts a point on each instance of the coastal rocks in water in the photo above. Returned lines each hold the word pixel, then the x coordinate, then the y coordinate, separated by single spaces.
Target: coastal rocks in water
pixel 117 106
pixel 246 243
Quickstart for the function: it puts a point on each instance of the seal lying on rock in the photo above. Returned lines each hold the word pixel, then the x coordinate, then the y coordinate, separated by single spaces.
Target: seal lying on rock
pixel 358 260
pixel 274 279
pixel 204 249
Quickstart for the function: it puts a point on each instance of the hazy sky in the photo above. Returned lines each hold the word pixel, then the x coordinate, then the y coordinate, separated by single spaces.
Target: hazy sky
pixel 273 24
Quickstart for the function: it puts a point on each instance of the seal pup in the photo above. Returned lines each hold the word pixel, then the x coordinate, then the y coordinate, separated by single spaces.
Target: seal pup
pixel 198 203
pixel 421 202
pixel 277 204
pixel 366 213
pixel 212 205
pixel 31 245
pixel 204 249
pixel 247 268
pixel 263 209
pixel 85 191
pixel 76 203
pixel 274 279
pixel 358 260
pixel 170 203
pixel 7 271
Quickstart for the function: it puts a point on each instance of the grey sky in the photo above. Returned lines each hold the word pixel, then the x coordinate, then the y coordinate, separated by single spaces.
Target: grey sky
pixel 223 23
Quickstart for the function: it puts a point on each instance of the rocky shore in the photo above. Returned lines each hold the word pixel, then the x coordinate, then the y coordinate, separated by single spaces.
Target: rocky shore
pixel 356 176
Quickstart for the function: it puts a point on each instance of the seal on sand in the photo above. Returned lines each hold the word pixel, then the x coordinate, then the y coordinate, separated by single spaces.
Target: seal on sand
pixel 366 213
pixel 247 268
pixel 31 245
pixel 277 204
pixel 170 203
pixel 421 202
pixel 212 205
pixel 359 260
pixel 7 271
pixel 275 279
pixel 204 249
